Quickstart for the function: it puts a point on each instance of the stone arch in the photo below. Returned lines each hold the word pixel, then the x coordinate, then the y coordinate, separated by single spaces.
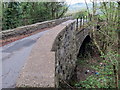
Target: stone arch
pixel 81 49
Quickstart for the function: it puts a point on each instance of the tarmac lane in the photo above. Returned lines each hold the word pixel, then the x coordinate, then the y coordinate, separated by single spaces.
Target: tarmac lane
pixel 14 56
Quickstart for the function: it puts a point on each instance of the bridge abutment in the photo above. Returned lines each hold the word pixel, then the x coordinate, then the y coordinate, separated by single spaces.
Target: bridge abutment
pixel 66 47
pixel 65 53
pixel 54 56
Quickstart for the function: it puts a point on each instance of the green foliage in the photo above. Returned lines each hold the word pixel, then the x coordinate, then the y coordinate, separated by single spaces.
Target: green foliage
pixel 105 78
pixel 0 9
pixel 107 41
pixel 80 14
pixel 23 13
pixel 0 15
pixel 11 15
pixel 106 37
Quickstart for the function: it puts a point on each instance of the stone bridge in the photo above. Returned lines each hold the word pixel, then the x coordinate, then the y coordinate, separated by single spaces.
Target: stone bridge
pixel 53 57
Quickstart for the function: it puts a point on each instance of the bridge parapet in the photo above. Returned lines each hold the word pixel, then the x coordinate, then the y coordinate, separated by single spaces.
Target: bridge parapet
pixel 66 47
pixel 65 52
pixel 31 28
pixel 39 70
pixel 80 36
pixel 52 63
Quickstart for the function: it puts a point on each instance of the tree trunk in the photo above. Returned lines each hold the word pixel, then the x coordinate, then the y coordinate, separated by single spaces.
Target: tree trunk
pixel 118 29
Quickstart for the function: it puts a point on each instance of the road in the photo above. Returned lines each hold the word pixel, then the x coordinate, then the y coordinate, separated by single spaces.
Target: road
pixel 14 56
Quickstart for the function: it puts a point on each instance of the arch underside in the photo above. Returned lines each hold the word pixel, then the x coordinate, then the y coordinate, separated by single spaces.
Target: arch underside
pixel 81 49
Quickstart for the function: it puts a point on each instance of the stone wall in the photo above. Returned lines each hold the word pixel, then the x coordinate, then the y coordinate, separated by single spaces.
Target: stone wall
pixel 66 47
pixel 51 63
pixel 80 36
pixel 31 28
pixel 40 64
pixel 65 53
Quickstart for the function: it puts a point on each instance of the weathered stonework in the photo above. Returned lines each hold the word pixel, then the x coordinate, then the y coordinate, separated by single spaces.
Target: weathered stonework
pixel 65 53
pixel 30 28
pixel 53 62
pixel 66 47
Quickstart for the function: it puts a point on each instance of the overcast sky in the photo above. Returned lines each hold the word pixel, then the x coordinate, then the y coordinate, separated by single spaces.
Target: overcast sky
pixel 76 1
pixel 88 1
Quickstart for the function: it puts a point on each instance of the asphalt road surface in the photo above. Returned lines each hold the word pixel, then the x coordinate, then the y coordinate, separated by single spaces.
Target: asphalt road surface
pixel 14 56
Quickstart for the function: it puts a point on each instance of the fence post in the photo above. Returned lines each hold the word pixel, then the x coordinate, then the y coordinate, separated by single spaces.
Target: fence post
pixel 80 22
pixel 83 20
pixel 77 24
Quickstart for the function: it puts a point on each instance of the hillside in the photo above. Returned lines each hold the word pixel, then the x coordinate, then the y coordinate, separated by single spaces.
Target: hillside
pixel 77 7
